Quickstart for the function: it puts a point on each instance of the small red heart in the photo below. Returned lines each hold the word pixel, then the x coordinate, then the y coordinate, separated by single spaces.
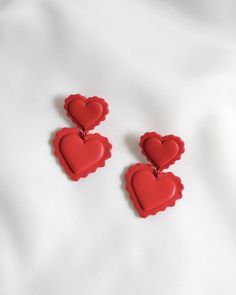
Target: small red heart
pixel 86 113
pixel 78 156
pixel 161 151
pixel 149 193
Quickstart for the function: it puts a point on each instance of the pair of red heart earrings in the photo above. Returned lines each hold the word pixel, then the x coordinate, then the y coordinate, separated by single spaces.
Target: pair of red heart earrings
pixel 80 153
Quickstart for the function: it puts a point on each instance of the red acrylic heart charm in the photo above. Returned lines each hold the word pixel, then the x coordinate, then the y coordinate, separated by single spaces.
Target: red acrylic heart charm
pixel 80 156
pixel 86 113
pixel 161 151
pixel 151 193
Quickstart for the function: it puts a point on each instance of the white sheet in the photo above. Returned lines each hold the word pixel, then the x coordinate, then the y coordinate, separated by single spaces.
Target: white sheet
pixel 164 66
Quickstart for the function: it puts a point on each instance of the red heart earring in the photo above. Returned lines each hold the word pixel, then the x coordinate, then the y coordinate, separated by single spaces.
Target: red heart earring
pixel 78 152
pixel 150 189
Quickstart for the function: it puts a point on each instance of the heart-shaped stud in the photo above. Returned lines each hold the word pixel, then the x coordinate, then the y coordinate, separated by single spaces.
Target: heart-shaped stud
pixel 161 151
pixel 79 156
pixel 149 193
pixel 86 113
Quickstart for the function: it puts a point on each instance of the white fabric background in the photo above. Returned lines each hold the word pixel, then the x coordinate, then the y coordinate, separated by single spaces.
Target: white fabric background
pixel 165 66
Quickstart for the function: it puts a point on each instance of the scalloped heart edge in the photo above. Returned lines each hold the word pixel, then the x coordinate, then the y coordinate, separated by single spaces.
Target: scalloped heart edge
pixel 73 97
pixel 180 142
pixel 129 187
pixel 75 177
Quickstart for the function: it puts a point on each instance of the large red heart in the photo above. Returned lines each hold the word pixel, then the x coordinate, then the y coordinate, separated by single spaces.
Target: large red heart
pixel 78 156
pixel 86 113
pixel 149 193
pixel 161 151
